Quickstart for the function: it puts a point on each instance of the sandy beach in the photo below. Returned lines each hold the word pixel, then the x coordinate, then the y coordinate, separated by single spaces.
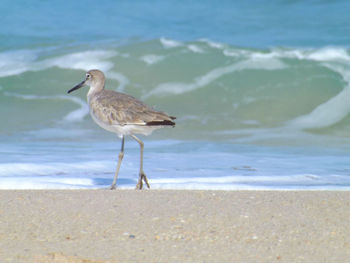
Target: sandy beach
pixel 174 226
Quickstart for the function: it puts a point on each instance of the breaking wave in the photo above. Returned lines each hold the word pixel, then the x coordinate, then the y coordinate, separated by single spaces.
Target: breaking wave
pixel 213 88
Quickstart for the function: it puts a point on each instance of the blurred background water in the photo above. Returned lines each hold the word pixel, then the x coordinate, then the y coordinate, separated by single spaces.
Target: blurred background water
pixel 261 92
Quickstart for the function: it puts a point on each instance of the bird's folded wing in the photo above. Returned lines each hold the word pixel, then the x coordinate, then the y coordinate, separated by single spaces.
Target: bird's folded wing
pixel 126 110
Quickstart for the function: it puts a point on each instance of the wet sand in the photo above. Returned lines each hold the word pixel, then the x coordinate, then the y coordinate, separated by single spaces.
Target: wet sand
pixel 174 226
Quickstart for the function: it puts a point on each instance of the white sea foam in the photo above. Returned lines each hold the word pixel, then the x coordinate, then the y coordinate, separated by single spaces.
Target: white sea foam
pixel 45 182
pixel 291 182
pixel 195 48
pixel 330 112
pixel 241 180
pixel 170 43
pixel 329 54
pixel 152 59
pixel 80 183
pixel 123 80
pixel 334 58
pixel 17 62
pixel 79 114
pixel 325 54
pixel 76 115
pixel 83 60
pixel 212 44
pixel 337 107
pixel 52 169
pixel 236 53
pixel 87 60
pixel 180 88
pixel 212 166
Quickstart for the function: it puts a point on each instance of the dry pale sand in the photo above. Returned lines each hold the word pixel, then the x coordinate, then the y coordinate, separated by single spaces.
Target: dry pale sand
pixel 174 226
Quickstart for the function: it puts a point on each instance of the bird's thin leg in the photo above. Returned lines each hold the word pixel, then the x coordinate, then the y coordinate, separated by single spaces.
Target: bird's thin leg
pixel 121 155
pixel 142 175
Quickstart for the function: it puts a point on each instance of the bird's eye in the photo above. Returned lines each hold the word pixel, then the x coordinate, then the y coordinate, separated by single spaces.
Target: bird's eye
pixel 88 76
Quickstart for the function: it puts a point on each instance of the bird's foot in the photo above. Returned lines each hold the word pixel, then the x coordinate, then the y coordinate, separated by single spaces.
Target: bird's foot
pixel 143 178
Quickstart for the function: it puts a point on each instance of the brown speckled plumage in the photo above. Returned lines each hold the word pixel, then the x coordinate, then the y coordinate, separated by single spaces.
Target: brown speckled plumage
pixel 122 114
pixel 117 108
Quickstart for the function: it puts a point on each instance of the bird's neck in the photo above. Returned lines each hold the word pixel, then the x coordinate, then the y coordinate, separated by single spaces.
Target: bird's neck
pixel 94 89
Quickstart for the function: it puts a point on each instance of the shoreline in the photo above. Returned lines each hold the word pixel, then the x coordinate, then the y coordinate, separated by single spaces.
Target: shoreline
pixel 174 226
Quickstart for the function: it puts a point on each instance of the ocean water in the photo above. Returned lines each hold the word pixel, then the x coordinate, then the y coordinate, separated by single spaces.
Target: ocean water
pixel 260 89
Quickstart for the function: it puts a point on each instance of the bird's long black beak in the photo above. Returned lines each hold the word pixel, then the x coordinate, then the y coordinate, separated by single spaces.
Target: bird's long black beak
pixel 81 84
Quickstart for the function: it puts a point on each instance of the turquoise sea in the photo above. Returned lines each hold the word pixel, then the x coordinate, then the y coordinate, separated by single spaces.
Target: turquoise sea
pixel 261 91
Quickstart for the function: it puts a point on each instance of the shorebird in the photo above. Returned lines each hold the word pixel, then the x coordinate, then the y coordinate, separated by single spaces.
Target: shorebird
pixel 122 114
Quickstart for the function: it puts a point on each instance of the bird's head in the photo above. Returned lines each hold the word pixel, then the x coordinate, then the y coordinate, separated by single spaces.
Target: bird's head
pixel 94 78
